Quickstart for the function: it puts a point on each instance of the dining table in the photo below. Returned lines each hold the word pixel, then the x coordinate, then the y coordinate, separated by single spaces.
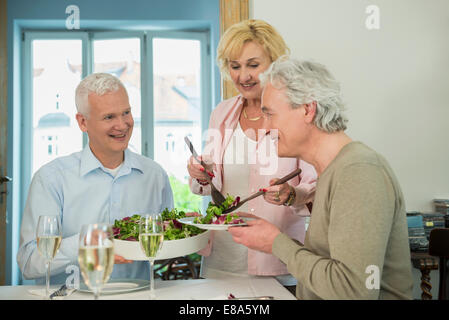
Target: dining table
pixel 192 289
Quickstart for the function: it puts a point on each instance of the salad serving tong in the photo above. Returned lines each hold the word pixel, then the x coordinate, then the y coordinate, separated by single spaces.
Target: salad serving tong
pixel 215 194
pixel 259 193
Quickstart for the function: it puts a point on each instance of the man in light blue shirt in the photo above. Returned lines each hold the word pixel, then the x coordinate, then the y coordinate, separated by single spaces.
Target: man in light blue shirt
pixel 103 182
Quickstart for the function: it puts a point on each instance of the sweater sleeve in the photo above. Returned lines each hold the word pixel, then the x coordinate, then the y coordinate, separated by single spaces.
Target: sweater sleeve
pixel 361 204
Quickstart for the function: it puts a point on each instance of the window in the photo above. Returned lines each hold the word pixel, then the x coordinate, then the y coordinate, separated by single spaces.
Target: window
pixel 169 144
pixel 121 57
pixel 56 70
pixel 177 102
pixel 166 74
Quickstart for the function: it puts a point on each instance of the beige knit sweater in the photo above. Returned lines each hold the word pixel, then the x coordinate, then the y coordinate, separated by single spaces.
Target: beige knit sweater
pixel 358 227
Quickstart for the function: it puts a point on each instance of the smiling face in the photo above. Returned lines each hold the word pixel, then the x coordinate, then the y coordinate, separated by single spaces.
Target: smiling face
pixel 109 124
pixel 291 124
pixel 245 70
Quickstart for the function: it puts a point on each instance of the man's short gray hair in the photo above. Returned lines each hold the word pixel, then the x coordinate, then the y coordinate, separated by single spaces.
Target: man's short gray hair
pixel 98 83
pixel 305 82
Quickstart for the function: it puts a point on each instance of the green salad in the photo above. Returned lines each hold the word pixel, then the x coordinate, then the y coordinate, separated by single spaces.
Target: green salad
pixel 128 227
pixel 214 213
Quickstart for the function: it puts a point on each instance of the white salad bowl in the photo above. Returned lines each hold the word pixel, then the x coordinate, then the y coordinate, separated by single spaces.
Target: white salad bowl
pixel 131 250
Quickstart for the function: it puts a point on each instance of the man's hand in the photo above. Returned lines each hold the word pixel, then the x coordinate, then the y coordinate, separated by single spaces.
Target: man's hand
pixel 258 235
pixel 98 234
pixel 120 260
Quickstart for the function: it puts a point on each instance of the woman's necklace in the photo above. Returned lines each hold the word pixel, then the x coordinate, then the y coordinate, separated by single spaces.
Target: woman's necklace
pixel 250 119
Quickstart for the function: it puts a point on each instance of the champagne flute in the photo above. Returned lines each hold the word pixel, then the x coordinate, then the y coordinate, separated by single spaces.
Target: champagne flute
pixel 49 237
pixel 96 255
pixel 151 237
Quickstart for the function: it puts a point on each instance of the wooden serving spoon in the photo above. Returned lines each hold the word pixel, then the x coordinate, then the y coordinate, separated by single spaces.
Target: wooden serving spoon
pixel 255 195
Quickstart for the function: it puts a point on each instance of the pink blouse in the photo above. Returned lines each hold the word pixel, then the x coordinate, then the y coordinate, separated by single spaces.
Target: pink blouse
pixel 290 220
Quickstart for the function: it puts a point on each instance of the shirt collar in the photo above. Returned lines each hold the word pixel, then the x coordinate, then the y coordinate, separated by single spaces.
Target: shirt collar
pixel 132 161
pixel 89 162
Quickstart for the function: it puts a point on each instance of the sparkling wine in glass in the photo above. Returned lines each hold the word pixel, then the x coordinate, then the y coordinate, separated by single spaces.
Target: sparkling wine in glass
pixel 49 237
pixel 96 255
pixel 151 237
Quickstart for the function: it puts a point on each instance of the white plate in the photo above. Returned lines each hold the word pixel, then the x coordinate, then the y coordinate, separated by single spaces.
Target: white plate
pixel 115 286
pixel 189 221
pixel 131 250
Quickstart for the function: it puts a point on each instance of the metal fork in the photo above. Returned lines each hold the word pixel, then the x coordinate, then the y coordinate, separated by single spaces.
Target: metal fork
pixel 60 292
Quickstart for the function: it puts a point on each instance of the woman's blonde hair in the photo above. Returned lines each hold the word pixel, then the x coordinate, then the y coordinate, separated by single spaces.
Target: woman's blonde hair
pixel 232 41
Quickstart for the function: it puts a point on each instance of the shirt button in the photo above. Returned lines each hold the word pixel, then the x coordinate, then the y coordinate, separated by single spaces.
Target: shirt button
pixel 252 209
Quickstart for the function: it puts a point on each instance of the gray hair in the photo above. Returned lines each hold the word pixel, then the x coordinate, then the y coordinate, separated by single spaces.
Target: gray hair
pixel 98 83
pixel 306 82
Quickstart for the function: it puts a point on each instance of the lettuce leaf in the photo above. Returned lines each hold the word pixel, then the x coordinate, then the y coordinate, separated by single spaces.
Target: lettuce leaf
pixel 128 227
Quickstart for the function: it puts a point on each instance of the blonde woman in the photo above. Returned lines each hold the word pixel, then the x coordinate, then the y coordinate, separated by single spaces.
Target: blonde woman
pixel 245 50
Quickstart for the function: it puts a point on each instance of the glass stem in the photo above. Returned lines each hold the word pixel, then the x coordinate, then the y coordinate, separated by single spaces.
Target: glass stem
pixel 47 280
pixel 152 295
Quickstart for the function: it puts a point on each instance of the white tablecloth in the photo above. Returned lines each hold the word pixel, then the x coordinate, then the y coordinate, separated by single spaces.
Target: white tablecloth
pixel 200 289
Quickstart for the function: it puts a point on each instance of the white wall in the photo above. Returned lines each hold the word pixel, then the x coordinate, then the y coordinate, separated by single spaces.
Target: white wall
pixel 395 80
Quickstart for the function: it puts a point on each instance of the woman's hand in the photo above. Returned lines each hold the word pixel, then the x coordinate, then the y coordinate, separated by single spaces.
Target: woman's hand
pixel 277 194
pixel 196 170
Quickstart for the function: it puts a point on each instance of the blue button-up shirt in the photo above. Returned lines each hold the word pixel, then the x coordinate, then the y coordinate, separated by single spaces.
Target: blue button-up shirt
pixel 79 189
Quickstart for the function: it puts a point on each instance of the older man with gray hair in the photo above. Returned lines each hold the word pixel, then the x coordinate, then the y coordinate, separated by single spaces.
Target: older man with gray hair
pixel 356 246
pixel 103 182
